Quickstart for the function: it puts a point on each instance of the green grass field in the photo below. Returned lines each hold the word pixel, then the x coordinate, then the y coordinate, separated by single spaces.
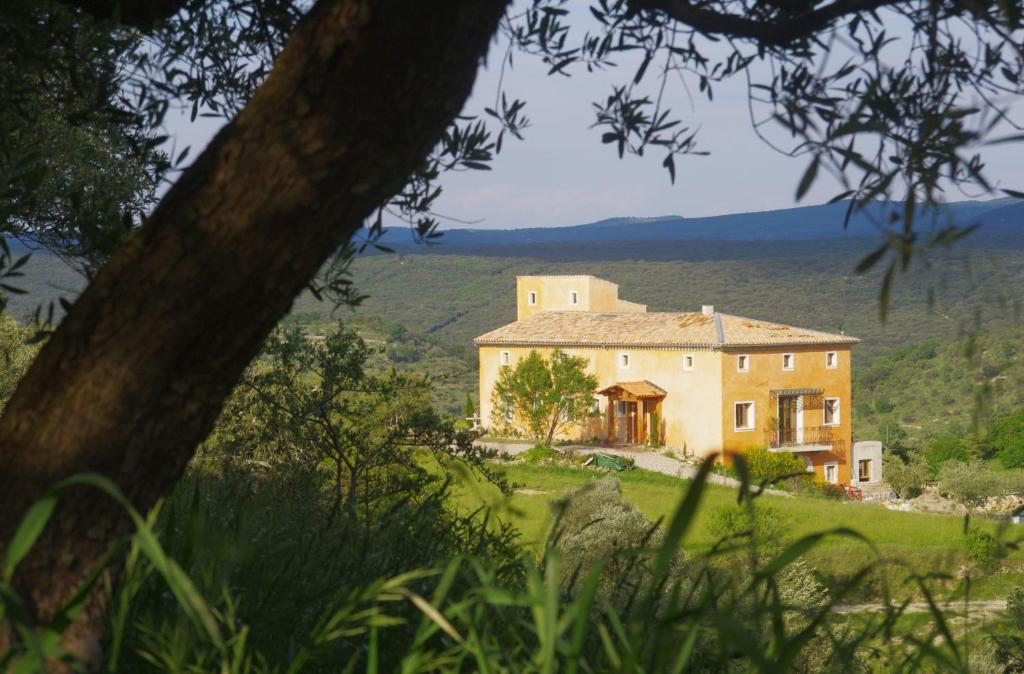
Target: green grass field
pixel 912 543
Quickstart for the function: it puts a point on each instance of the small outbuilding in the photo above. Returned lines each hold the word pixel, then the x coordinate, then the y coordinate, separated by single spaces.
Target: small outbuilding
pixel 866 463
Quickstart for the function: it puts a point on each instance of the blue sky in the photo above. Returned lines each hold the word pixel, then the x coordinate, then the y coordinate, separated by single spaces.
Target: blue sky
pixel 561 174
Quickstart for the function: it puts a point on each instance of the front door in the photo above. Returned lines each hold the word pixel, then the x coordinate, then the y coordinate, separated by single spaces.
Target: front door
pixel 787 420
pixel 625 422
pixel 791 420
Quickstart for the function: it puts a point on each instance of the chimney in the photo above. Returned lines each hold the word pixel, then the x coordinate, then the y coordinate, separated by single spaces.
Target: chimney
pixel 707 309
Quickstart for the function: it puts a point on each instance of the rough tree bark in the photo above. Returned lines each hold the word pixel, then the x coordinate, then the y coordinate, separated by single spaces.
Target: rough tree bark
pixel 136 374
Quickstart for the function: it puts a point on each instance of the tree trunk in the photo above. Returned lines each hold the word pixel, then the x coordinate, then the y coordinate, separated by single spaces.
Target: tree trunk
pixel 135 376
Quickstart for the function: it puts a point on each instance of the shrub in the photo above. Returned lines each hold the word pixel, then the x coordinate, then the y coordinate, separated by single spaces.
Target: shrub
pixel 1007 439
pixel 540 454
pixel 884 405
pixel 593 524
pixel 829 490
pixel 403 353
pixel 905 477
pixel 748 521
pixel 1010 645
pixel 765 465
pixel 943 448
pixel 982 548
pixel 799 587
pixel 968 482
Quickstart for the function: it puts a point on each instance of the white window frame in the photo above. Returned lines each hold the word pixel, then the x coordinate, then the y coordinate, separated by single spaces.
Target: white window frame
pixel 752 420
pixel 792 362
pixel 824 471
pixel 835 360
pixel 836 419
pixel 574 298
pixel 688 362
pixel 531 298
pixel 623 360
pixel 505 358
pixel 740 359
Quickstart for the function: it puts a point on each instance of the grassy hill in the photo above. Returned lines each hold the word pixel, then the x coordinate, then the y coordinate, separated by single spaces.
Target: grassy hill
pixel 922 543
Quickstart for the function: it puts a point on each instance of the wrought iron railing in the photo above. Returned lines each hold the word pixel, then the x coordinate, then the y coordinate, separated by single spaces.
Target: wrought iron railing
pixel 811 435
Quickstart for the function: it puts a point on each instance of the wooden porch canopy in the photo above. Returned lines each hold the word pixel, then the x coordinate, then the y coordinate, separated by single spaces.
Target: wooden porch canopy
pixel 633 390
pixel 640 399
pixel 797 391
pixel 812 397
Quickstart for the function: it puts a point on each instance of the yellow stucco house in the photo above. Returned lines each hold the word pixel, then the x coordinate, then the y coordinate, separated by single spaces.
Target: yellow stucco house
pixel 712 382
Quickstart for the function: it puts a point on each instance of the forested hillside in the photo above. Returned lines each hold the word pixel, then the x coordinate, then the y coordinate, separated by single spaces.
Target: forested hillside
pixel 424 309
pixel 940 386
pixel 459 297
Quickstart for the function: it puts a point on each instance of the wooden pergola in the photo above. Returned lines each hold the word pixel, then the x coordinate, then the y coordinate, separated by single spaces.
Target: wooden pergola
pixel 642 400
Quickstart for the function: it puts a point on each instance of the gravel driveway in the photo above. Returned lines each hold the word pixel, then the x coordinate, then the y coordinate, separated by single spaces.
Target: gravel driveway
pixel 646 460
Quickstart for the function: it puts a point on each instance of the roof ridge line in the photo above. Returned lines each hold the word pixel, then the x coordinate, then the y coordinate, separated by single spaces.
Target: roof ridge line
pixel 719 330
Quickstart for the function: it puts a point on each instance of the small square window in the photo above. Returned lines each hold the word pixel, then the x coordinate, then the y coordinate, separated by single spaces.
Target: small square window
pixel 832 473
pixel 831 359
pixel 788 361
pixel 743 363
pixel 623 360
pixel 864 470
pixel 687 362
pixel 831 407
pixel 531 298
pixel 574 298
pixel 744 416
pixel 505 358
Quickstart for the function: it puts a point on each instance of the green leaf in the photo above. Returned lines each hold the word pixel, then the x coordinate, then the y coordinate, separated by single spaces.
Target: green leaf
pixel 808 178
pixel 682 519
pixel 801 547
pixel 29 529
pixel 885 293
pixel 871 259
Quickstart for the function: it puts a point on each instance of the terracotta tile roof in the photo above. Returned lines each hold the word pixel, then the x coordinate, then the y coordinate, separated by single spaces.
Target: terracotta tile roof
pixel 640 389
pixel 594 328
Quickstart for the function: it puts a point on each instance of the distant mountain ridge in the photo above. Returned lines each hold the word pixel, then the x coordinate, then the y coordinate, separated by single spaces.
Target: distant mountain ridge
pixel 803 223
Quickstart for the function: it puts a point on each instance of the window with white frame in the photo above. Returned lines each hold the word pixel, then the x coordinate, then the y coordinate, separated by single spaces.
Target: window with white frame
pixel 831 411
pixel 574 298
pixel 531 297
pixel 505 358
pixel 744 416
pixel 831 359
pixel 832 473
pixel 743 363
pixel 788 361
pixel 623 361
pixel 688 362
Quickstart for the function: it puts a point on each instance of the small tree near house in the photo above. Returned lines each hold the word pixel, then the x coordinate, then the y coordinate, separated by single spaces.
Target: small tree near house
pixel 541 398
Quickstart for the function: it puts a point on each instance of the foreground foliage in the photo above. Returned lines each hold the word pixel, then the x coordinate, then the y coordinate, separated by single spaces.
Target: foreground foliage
pixel 240 573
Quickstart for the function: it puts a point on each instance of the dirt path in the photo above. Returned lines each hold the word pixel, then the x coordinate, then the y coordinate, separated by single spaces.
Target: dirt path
pixel 975 609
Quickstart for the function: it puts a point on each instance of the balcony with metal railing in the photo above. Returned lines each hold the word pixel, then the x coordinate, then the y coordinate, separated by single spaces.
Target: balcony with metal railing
pixel 807 439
